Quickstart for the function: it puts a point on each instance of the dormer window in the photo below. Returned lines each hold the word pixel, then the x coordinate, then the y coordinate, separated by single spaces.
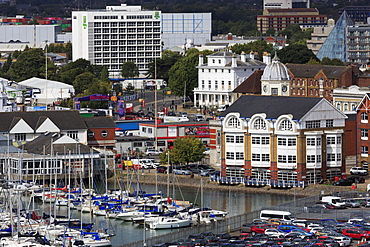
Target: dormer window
pixel 285 125
pixel 259 124
pixel 233 123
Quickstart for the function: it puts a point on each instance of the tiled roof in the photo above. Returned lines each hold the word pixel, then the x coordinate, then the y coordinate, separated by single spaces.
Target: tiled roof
pixel 310 71
pixel 272 106
pixel 99 122
pixel 64 120
pixel 251 85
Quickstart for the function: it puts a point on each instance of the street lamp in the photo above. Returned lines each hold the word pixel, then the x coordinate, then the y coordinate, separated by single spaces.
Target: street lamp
pixel 46 73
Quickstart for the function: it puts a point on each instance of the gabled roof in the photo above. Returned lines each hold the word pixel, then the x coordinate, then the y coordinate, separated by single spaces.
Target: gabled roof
pixel 272 106
pixel 99 122
pixel 310 71
pixel 64 120
pixel 251 85
pixel 44 143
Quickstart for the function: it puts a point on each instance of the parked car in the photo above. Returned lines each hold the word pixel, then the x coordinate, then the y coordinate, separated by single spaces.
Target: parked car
pixel 358 171
pixel 182 171
pixel 357 179
pixel 365 203
pixel 183 114
pixel 163 169
pixel 152 152
pixel 355 233
pixel 343 182
pixel 351 203
pixel 198 118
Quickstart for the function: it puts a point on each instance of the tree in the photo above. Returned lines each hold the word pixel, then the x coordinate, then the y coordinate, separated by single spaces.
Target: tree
pixel 296 54
pixel 313 61
pixel 129 70
pixel 104 74
pixel 7 65
pixel 30 63
pixel 334 61
pixel 83 82
pixel 259 46
pixel 183 76
pixel 163 65
pixel 185 150
pixel 71 70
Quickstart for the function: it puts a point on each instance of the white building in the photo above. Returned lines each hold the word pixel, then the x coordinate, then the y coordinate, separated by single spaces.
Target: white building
pixel 179 28
pixel 285 4
pixel 347 99
pixel 116 35
pixel 223 72
pixel 275 79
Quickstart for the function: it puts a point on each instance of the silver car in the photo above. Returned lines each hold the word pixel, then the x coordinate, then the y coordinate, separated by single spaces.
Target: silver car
pixel 350 203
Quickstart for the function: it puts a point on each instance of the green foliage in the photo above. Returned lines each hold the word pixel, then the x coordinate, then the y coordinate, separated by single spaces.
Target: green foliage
pixel 30 63
pixel 184 75
pixel 295 54
pixel 294 33
pixel 313 61
pixel 259 46
pixel 69 72
pixel 104 75
pixel 163 65
pixel 334 61
pixel 83 81
pixel 7 65
pixel 129 70
pixel 270 32
pixel 33 21
pixel 130 88
pixel 185 150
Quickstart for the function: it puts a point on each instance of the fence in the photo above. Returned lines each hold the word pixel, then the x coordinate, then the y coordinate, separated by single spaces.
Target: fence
pixel 298 207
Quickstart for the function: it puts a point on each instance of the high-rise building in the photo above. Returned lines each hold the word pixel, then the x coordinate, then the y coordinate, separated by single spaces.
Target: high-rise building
pixel 116 35
pixel 285 4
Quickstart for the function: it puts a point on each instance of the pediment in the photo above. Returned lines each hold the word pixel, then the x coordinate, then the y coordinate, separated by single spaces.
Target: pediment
pixel 46 125
pixel 20 126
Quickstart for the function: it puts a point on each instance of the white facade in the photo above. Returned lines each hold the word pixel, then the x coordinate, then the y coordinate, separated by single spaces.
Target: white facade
pixel 347 99
pixel 223 72
pixel 285 4
pixel 275 79
pixel 178 28
pixel 116 35
pixel 34 35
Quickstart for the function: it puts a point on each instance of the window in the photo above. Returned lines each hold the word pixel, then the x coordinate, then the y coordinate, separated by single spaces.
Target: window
pixel 233 123
pixel 281 158
pixel 313 124
pixel 318 158
pixel 143 129
pixel 256 157
pixel 104 133
pixel 229 155
pixel 311 158
pixel 286 125
pixel 292 142
pixel 364 149
pixel 138 144
pixel 265 157
pixel 329 123
pixel 20 137
pixel 331 157
pixel 318 140
pixel 364 116
pixel 150 130
pixel 229 139
pixel 292 159
pixel 239 139
pixel 281 141
pixel 239 156
pixel 256 140
pixel 364 133
pixel 339 140
pixel 339 157
pixel 259 124
pixel 330 140
pixel 90 133
pixel 265 140
pixel 72 134
pixel 311 141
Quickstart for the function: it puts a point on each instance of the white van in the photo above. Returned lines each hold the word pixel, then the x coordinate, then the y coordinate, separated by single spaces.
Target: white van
pixel 198 117
pixel 275 214
pixel 334 200
pixel 144 163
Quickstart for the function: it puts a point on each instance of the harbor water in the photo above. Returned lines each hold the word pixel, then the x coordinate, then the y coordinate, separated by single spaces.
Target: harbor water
pixel 235 203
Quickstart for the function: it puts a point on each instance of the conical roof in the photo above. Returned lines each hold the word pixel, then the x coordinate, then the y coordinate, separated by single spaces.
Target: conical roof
pixel 335 44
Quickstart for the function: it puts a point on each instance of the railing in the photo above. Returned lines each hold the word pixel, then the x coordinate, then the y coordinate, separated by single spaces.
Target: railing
pixel 258 182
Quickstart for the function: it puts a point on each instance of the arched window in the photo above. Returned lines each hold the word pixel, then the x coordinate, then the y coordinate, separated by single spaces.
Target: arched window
pixel 233 123
pixel 259 124
pixel 286 125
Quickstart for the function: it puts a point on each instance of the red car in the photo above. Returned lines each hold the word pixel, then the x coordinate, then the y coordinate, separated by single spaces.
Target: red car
pixel 261 228
pixel 355 233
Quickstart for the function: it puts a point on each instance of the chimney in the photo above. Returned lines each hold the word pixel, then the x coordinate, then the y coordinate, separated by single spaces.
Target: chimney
pixel 266 58
pixel 243 57
pixel 201 60
pixel 229 36
pixel 233 61
pixel 251 55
